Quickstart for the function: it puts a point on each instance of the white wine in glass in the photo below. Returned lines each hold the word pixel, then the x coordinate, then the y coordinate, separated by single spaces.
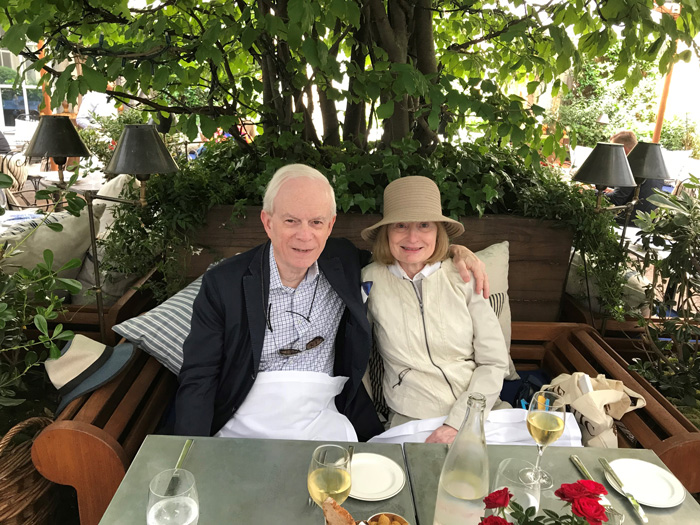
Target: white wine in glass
pixel 545 422
pixel 329 474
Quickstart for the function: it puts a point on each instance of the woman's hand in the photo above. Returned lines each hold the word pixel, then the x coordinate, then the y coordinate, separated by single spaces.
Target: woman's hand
pixel 465 261
pixel 443 434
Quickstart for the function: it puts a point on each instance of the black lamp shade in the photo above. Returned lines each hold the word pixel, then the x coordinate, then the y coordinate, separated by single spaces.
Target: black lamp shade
pixel 606 166
pixel 56 137
pixel 647 161
pixel 141 152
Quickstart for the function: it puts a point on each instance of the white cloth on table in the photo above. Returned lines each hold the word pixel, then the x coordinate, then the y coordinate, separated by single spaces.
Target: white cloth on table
pixel 502 427
pixel 291 405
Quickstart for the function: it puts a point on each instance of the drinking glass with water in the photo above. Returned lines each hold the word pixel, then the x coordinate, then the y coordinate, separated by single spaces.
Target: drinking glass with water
pixel 172 499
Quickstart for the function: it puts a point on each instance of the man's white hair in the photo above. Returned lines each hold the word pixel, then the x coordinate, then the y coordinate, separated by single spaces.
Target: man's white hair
pixel 294 171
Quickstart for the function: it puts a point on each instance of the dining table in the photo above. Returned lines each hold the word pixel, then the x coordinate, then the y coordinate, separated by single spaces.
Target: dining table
pixel 262 481
pixel 246 481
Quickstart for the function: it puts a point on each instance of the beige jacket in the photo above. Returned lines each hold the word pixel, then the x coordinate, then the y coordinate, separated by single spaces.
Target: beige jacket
pixel 434 359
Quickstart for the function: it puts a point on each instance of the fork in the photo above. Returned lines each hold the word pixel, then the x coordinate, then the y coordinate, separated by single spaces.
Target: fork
pixel 321 460
pixel 615 516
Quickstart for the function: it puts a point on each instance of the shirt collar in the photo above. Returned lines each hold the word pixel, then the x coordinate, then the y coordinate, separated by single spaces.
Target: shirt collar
pixel 276 280
pixel 427 271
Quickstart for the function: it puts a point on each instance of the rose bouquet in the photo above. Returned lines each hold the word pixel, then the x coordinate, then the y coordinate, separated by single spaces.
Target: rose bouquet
pixel 583 498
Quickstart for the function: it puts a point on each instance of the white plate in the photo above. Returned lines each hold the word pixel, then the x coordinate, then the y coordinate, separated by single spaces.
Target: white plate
pixel 375 477
pixel 650 484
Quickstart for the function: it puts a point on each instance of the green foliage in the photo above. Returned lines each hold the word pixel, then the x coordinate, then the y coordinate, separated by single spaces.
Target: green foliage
pixel 102 139
pixel 7 75
pixel 679 134
pixel 673 337
pixel 473 180
pixel 419 75
pixel 28 300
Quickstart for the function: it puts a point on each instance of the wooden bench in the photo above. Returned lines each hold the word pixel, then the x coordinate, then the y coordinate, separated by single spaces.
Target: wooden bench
pixel 84 319
pixel 96 437
pixel 568 347
pixel 93 441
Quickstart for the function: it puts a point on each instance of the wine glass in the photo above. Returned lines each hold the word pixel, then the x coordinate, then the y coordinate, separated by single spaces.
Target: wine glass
pixel 508 476
pixel 172 499
pixel 545 422
pixel 329 474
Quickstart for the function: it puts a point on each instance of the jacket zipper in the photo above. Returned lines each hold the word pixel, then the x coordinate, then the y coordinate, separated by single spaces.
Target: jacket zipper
pixel 425 333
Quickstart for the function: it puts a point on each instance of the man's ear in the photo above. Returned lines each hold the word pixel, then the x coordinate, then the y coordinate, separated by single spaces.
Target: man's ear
pixel 330 224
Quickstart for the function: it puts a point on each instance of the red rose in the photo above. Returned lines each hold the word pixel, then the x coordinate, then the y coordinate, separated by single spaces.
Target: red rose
pixel 497 499
pixel 572 491
pixel 594 488
pixel 590 509
pixel 493 520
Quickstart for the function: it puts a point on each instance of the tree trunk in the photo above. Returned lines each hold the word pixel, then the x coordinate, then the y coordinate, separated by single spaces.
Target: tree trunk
pixel 422 46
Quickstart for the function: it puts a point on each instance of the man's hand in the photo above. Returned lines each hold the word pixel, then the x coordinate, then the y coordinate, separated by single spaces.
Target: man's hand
pixel 465 261
pixel 443 434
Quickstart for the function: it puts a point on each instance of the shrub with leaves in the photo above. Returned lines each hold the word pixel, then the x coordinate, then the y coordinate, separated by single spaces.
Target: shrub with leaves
pixel 28 300
pixel 671 239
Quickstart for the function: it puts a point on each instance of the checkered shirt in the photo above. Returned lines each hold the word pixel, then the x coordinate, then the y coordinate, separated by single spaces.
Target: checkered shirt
pixel 293 331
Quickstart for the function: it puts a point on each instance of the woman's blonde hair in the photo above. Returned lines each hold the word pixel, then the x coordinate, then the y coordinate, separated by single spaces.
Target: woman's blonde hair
pixel 381 252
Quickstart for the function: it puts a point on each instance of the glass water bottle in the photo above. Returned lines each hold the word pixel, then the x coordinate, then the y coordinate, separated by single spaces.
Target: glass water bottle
pixel 464 480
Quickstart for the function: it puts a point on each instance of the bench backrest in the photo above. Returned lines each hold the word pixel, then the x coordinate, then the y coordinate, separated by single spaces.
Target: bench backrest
pixel 539 251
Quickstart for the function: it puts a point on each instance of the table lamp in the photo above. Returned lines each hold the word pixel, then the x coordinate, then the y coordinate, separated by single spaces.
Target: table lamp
pixel 56 137
pixel 606 166
pixel 140 152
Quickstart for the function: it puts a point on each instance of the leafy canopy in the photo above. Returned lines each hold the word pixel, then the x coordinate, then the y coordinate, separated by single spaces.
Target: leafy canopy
pixel 415 69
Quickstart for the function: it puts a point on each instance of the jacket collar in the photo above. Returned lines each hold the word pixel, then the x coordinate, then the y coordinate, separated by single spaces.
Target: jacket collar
pixel 256 287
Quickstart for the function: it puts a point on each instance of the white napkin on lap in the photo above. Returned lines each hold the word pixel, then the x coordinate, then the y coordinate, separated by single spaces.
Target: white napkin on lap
pixel 502 427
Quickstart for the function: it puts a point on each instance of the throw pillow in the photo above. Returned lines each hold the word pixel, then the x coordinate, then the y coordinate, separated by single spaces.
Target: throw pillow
pixel 161 332
pixel 113 284
pixel 495 257
pixel 633 291
pixel 71 243
pixel 112 188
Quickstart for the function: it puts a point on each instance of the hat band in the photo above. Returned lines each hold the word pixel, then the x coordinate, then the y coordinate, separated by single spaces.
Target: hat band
pixel 94 367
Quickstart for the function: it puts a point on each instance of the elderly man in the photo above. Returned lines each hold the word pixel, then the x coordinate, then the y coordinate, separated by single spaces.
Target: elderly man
pixel 280 338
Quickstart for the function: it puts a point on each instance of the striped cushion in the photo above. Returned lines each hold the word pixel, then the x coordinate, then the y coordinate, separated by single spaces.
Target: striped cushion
pixel 498 301
pixel 161 332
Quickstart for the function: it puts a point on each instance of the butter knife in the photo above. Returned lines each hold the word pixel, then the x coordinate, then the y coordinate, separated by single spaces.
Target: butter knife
pixel 636 506
pixel 618 517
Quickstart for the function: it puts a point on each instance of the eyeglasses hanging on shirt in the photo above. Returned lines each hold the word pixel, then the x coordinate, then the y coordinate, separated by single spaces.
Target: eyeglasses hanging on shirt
pixel 313 343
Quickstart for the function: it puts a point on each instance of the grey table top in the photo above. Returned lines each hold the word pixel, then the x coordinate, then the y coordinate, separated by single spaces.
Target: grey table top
pixel 424 463
pixel 244 481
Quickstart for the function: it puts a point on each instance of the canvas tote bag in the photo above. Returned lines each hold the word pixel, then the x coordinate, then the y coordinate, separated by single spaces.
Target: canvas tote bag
pixel 595 410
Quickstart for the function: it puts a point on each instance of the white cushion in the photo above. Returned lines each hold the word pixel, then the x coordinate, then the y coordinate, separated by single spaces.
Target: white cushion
pixel 113 284
pixel 71 243
pixel 112 188
pixel 495 257
pixel 633 291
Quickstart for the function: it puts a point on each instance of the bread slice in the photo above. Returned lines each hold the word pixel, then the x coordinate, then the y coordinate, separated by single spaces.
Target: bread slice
pixel 335 514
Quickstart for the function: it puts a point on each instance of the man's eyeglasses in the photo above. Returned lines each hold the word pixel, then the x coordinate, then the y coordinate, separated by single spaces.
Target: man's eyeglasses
pixel 309 346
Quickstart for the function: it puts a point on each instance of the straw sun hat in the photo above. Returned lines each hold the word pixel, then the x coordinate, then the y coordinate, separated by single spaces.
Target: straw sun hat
pixel 413 199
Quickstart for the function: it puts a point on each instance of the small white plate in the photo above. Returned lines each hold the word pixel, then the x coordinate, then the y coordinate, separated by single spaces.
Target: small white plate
pixel 375 477
pixel 650 484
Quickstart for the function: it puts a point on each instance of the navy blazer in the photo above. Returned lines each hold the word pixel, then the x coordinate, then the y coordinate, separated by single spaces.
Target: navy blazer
pixel 222 352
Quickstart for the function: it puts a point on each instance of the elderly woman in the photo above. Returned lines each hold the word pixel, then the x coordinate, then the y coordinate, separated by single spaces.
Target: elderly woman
pixel 439 340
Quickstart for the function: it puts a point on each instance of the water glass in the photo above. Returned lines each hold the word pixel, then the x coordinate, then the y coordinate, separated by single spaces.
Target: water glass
pixel 172 499
pixel 524 493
